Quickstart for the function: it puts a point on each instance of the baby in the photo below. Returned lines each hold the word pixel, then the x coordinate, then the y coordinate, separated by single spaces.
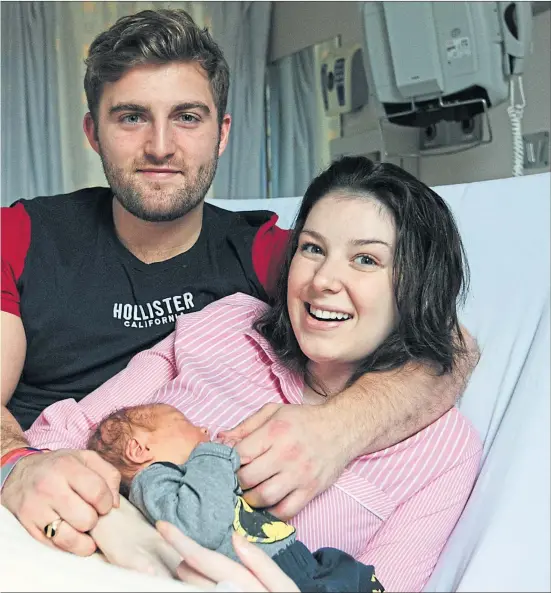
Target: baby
pixel 171 471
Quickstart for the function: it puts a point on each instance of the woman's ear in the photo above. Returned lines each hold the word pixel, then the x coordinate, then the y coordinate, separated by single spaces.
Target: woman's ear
pixel 137 451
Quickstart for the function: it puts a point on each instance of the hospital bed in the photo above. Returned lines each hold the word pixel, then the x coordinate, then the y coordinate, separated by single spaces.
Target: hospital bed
pixel 502 540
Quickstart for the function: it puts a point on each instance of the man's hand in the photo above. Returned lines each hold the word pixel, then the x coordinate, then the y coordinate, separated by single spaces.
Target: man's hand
pixel 289 454
pixel 75 486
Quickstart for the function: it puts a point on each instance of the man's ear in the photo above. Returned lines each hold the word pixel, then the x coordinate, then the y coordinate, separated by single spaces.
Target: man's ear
pixel 137 451
pixel 224 133
pixel 91 132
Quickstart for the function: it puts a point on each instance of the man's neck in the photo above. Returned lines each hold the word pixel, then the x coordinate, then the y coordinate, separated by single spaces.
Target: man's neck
pixel 153 242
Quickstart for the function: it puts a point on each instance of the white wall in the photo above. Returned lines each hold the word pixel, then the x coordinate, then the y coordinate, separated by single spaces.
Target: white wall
pixel 297 25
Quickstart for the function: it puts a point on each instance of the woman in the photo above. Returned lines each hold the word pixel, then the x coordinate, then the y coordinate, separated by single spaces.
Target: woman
pixel 371 279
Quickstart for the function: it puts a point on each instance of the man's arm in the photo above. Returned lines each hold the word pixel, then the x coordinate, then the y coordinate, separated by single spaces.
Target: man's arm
pixel 76 485
pixel 15 238
pixel 395 405
pixel 14 348
pixel 37 483
pixel 315 443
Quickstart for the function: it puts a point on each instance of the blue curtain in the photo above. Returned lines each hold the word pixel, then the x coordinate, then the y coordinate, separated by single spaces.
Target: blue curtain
pixel 30 118
pixel 242 30
pixel 296 132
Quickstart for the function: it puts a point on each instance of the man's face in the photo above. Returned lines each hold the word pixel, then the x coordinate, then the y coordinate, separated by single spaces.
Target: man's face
pixel 158 138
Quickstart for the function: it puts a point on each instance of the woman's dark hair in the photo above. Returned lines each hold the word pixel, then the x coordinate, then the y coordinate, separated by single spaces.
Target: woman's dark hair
pixel 430 270
pixel 154 37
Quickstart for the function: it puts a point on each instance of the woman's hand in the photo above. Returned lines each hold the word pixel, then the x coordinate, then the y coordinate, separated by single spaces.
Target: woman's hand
pixel 127 539
pixel 208 569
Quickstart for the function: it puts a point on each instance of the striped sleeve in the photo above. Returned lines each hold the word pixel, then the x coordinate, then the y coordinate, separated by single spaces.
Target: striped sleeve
pixel 406 548
pixel 16 239
pixel 67 424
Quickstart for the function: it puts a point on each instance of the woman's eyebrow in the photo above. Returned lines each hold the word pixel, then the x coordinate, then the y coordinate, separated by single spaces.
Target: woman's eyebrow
pixel 314 234
pixel 354 242
pixel 360 242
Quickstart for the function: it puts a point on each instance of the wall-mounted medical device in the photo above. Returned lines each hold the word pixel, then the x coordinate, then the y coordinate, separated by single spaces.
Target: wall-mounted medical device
pixel 429 62
pixel 343 80
pixel 433 61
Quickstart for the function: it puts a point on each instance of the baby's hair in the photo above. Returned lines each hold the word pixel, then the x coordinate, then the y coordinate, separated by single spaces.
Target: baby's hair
pixel 111 435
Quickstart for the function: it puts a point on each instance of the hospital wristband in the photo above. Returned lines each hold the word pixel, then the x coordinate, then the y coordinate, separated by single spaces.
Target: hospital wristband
pixel 10 459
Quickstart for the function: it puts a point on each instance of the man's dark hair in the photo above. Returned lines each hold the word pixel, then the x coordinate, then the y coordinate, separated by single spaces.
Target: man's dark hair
pixel 430 270
pixel 154 37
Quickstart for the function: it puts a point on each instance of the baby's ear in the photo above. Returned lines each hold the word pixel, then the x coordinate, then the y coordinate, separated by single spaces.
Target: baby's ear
pixel 137 452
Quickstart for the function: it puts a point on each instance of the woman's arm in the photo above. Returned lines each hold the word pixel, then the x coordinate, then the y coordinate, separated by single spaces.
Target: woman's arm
pixel 67 424
pixel 407 546
pixel 257 573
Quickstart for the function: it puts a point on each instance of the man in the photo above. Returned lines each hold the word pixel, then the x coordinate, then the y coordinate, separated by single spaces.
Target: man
pixel 91 278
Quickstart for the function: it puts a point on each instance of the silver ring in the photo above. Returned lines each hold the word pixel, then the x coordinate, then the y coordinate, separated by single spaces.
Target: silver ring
pixel 51 529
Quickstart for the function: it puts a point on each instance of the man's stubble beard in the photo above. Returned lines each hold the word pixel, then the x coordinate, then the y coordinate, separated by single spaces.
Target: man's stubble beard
pixel 177 202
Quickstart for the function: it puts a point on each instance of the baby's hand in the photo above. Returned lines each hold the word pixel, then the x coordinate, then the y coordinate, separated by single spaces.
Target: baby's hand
pixel 223 440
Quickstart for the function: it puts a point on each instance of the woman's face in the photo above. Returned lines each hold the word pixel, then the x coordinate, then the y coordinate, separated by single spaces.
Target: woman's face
pixel 340 293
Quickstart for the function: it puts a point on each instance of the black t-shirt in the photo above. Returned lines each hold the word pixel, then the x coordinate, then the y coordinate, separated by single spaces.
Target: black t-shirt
pixel 88 305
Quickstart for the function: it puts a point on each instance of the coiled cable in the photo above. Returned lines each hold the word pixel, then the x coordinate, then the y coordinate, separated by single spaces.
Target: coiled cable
pixel 515 113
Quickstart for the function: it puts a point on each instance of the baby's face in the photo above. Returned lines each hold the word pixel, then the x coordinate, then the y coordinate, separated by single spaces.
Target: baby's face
pixel 175 436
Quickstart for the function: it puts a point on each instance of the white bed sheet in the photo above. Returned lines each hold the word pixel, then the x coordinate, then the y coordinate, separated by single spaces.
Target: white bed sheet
pixel 502 541
pixel 28 565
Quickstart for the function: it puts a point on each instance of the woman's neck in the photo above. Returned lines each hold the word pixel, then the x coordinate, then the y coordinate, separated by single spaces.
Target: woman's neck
pixel 153 242
pixel 329 379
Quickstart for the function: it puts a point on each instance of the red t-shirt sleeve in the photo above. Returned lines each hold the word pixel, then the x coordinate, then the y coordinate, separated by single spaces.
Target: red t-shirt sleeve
pixel 269 247
pixel 16 239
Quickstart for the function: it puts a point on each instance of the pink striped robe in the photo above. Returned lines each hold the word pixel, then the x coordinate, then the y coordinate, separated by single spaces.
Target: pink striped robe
pixel 394 509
